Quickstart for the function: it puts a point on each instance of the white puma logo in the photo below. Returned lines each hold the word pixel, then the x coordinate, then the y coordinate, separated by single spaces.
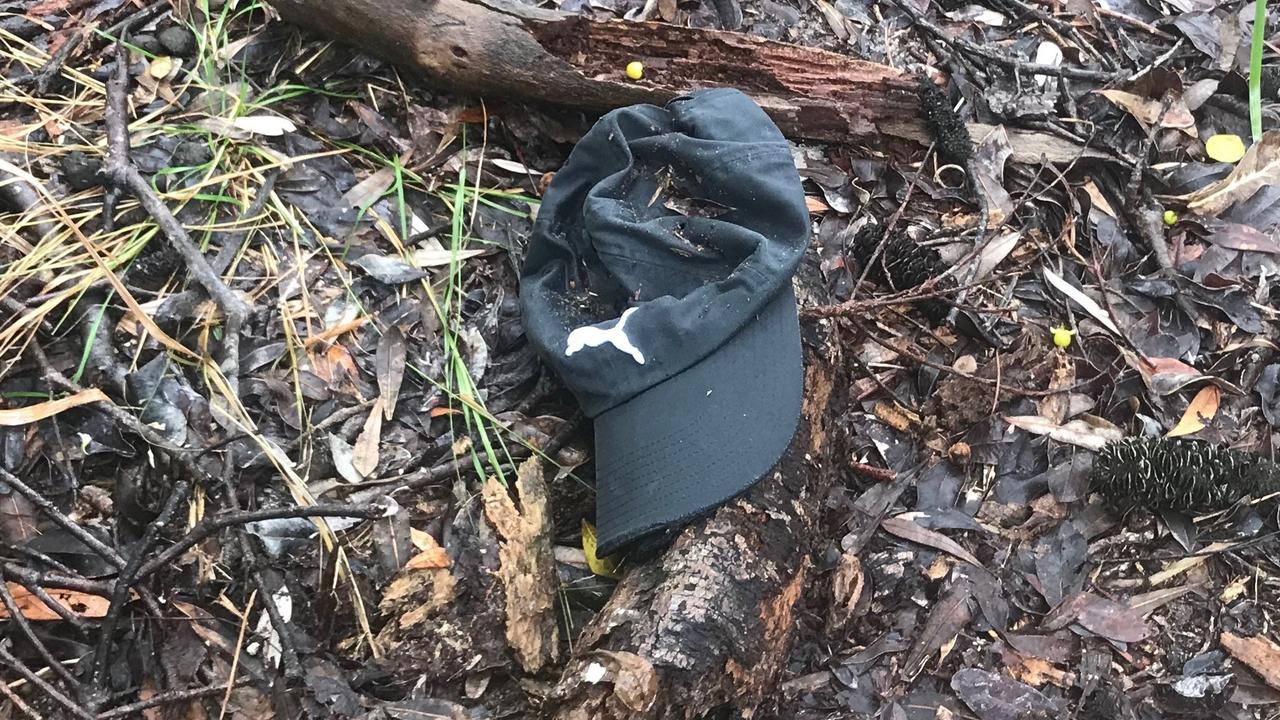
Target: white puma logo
pixel 591 336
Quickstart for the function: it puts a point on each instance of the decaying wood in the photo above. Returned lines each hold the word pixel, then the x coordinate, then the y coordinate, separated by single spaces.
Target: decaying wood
pixel 490 47
pixel 710 623
pixel 527 568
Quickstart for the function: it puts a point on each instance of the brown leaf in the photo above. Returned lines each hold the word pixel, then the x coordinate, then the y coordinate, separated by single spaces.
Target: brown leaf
pixel 49 408
pixel 1149 110
pixel 48 7
pixel 431 554
pixel 1100 616
pixel 1259 653
pixel 1149 602
pixel 847 585
pixel 33 608
pixel 389 366
pixel 908 530
pixel 1240 237
pixel 1203 407
pixel 367 191
pixel 1054 407
pixel 815 205
pixel 364 457
pixel 1164 375
pixel 526 565
pixel 1259 167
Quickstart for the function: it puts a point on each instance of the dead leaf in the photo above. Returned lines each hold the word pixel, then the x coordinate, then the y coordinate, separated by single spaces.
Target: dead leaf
pixel 430 556
pixel 1055 407
pixel 907 529
pixel 1240 237
pixel 950 615
pixel 1098 615
pixel 389 366
pixel 1149 602
pixel 364 457
pixel 1259 653
pixel 1164 376
pixel 17 518
pixel 342 453
pixel 40 411
pixel 526 565
pixel 265 124
pixel 1086 431
pixel 336 330
pixel 1084 301
pixel 512 166
pixel 988 170
pixel 1099 200
pixel 1148 110
pixel 992 696
pixel 367 191
pixel 430 255
pixel 847 586
pixel 1260 166
pixel 815 205
pixel 1203 407
pixel 994 253
pixel 77 603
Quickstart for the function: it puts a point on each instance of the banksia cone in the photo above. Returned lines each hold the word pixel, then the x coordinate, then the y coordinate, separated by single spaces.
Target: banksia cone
pixel 1176 474
pixel 947 129
pixel 901 265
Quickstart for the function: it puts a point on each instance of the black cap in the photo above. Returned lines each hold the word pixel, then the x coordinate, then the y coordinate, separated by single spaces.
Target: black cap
pixel 657 284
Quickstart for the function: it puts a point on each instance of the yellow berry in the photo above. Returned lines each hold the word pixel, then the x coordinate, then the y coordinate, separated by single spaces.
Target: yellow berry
pixel 1170 218
pixel 1062 336
pixel 635 70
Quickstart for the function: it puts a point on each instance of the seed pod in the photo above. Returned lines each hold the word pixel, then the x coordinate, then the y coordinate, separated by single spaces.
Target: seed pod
pixel 901 265
pixel 1179 474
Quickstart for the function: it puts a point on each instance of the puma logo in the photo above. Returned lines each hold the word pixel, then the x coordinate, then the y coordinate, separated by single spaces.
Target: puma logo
pixel 593 336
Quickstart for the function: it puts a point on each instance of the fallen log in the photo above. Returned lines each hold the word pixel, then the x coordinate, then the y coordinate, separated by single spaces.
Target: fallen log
pixel 492 47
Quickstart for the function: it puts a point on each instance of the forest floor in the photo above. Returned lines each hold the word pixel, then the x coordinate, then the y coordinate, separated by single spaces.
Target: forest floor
pixel 261 343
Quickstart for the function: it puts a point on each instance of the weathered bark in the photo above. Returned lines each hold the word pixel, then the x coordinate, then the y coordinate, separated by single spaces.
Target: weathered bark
pixel 710 623
pixel 492 47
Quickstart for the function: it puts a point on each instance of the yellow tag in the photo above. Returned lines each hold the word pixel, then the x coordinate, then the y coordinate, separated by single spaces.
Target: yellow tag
pixel 635 70
pixel 1224 148
pixel 606 566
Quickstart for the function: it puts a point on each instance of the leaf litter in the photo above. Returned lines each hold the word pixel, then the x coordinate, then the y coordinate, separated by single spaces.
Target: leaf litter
pixel 376 226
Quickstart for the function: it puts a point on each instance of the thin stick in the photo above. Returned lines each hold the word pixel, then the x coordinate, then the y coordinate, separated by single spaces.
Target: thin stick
pixel 122 173
pixel 17 618
pixel 211 525
pixel 50 691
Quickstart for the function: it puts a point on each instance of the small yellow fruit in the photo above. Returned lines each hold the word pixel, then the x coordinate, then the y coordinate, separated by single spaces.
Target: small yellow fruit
pixel 1170 218
pixel 1062 336
pixel 635 70
pixel 1224 148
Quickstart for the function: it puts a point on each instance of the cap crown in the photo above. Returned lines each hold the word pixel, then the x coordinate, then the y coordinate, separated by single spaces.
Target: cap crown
pixel 667 229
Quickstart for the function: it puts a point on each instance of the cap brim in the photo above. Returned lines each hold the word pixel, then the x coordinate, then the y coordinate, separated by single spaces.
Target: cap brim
pixel 703 436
